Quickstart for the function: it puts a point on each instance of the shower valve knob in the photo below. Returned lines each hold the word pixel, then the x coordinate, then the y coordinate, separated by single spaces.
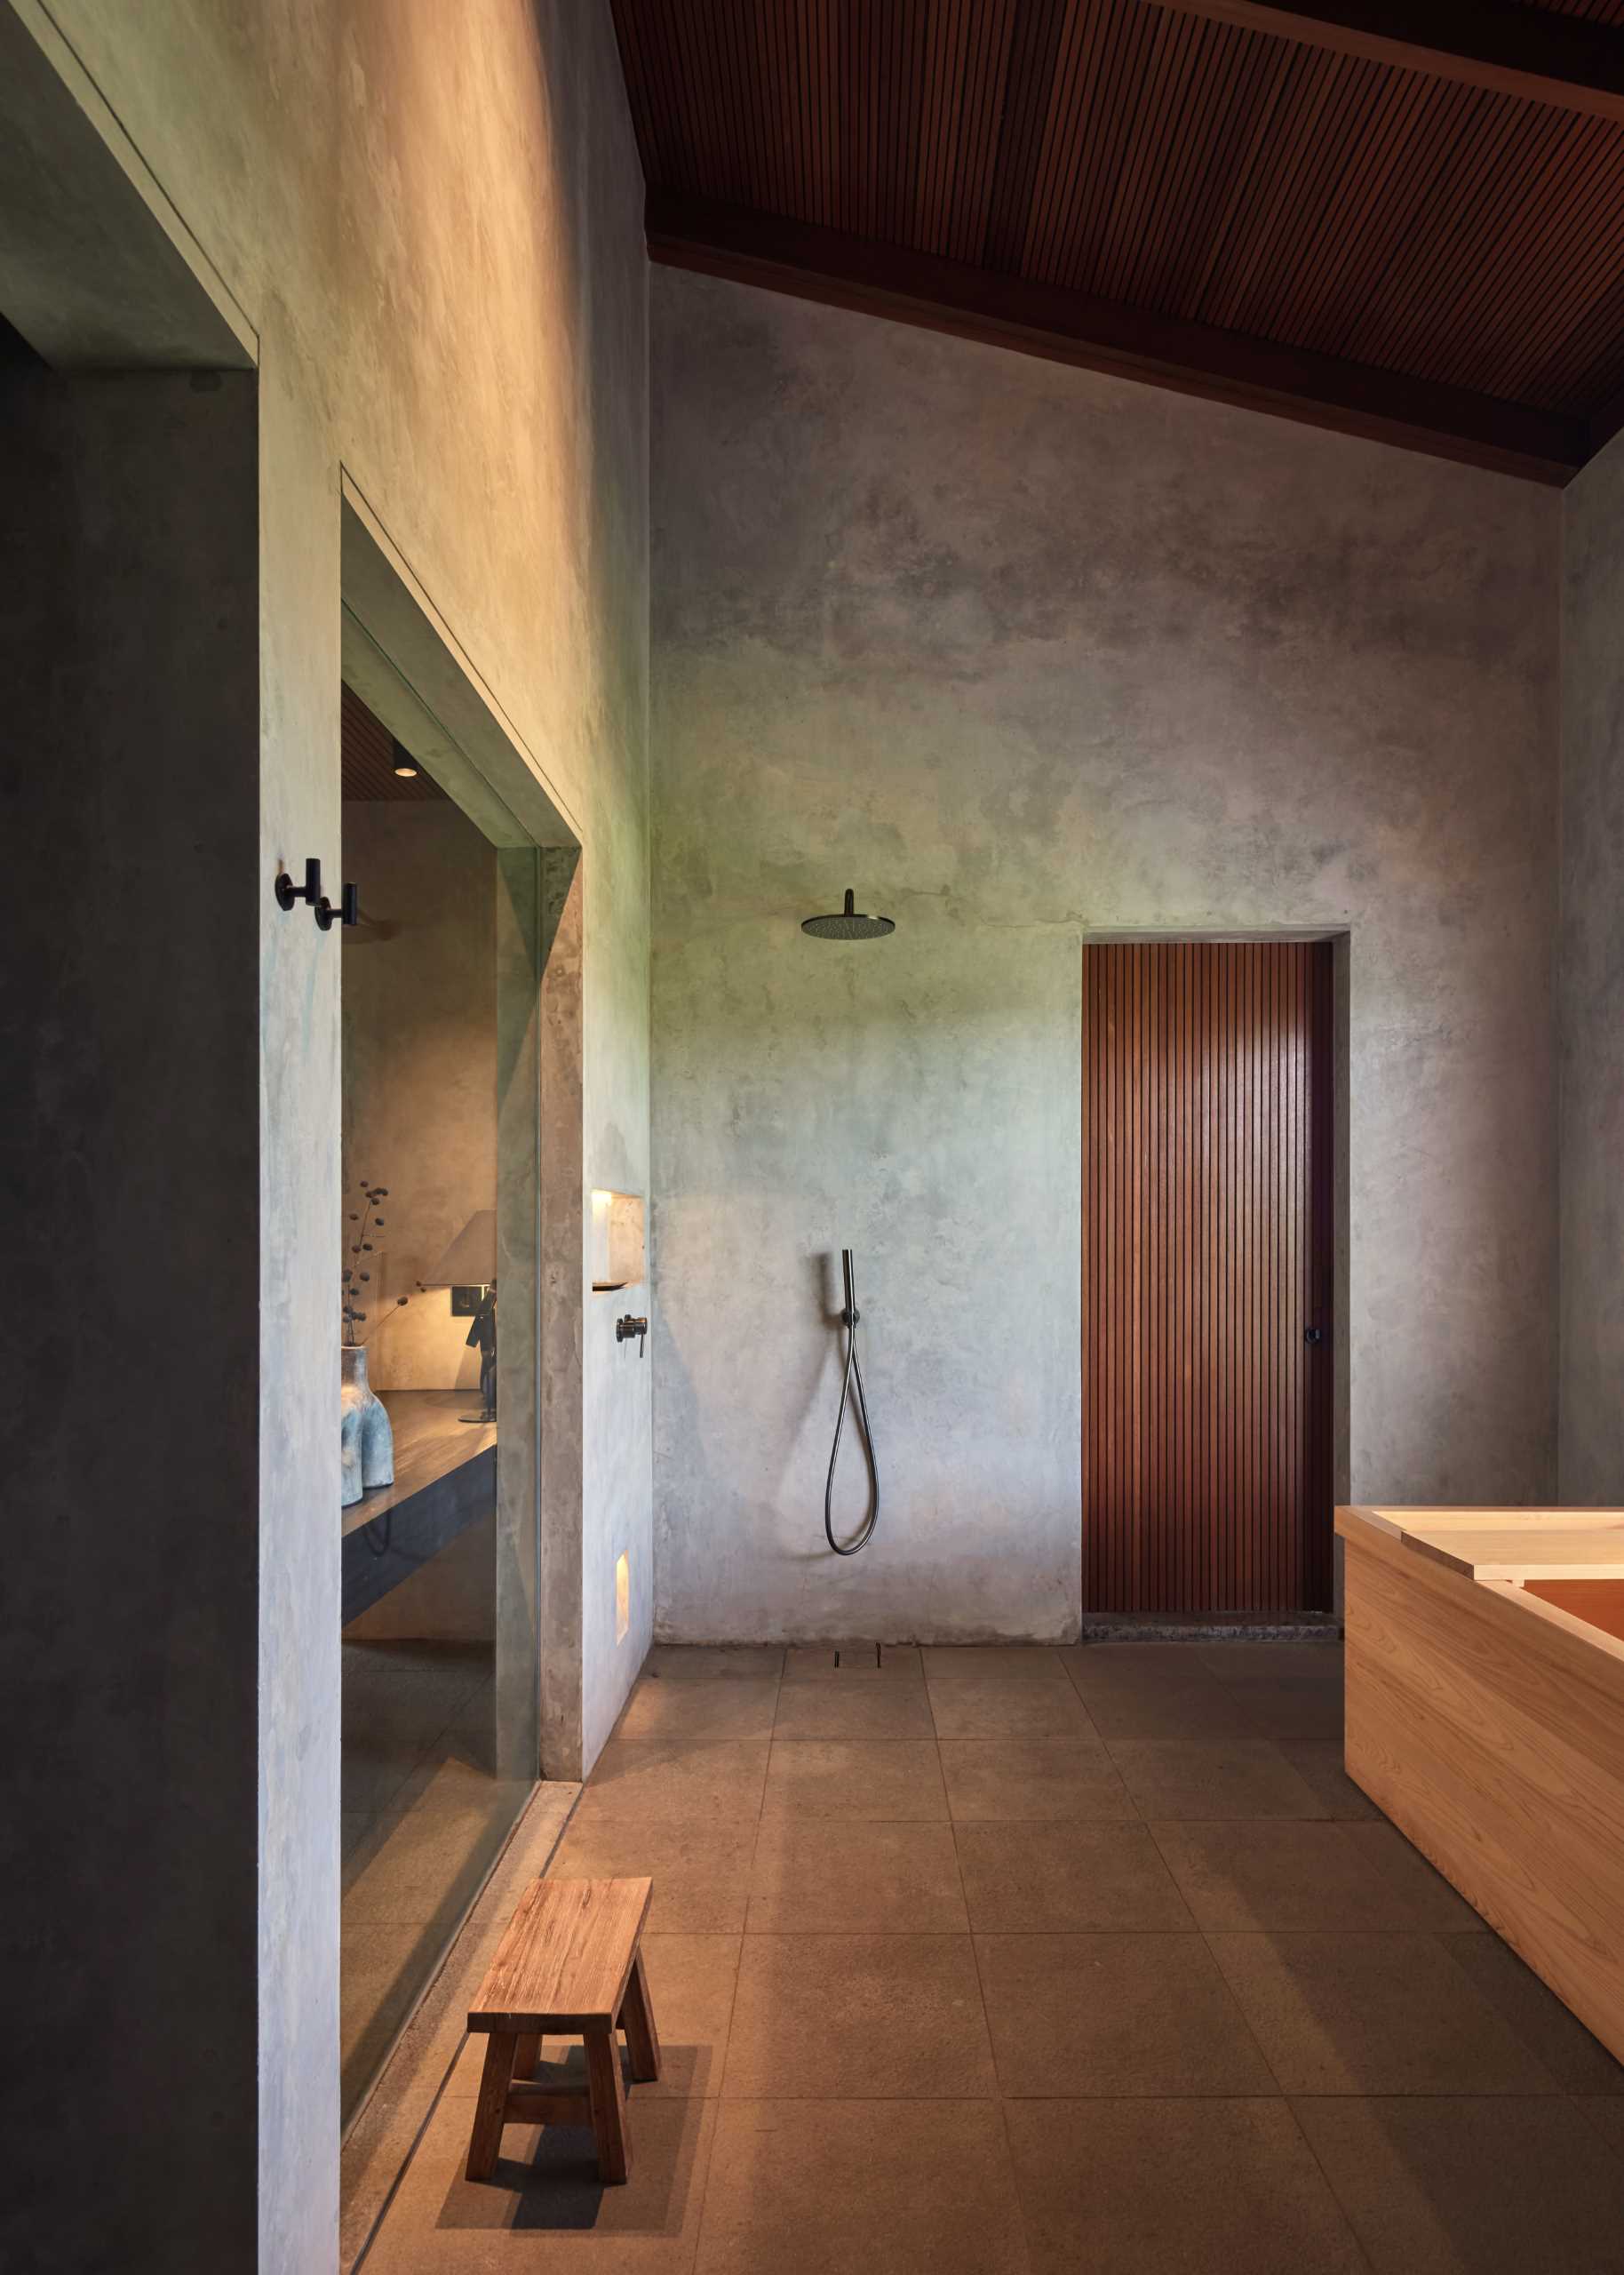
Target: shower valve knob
pixel 627 1327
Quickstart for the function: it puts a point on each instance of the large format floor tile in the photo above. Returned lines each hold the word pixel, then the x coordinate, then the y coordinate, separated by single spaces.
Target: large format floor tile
pixel 822 1876
pixel 978 1706
pixel 1158 1700
pixel 1025 1780
pixel 828 2017
pixel 1471 2186
pixel 544 2212
pixel 1005 1662
pixel 1198 1778
pixel 1085 2015
pixel 699 1865
pixel 860 1708
pixel 1140 2187
pixel 690 1662
pixel 911 2188
pixel 659 1777
pixel 679 1711
pixel 878 1779
pixel 1098 2076
pixel 1374 2013
pixel 851 1661
pixel 1317 1874
pixel 1065 1877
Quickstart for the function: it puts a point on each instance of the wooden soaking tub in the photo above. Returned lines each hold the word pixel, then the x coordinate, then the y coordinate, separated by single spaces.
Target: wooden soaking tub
pixel 1485 1672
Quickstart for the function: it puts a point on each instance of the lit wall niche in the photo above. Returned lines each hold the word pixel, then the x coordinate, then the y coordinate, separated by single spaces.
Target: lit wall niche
pixel 617 1239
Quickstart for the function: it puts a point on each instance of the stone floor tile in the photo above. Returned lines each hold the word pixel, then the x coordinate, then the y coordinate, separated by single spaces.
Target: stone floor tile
pixel 1242 1661
pixel 1175 1779
pixel 828 2017
pixel 909 2187
pixel 1374 2013
pixel 1318 1763
pixel 1085 2016
pixel 656 1777
pixel 1150 2187
pixel 544 2212
pixel 677 1711
pixel 1065 1877
pixel 1470 2186
pixel 1314 1874
pixel 876 1779
pixel 689 1660
pixel 700 1865
pixel 818 1875
pixel 1006 1661
pixel 1579 2063
pixel 1025 1780
pixel 979 1707
pixel 859 1708
pixel 1154 1698
pixel 1290 1707
pixel 852 1662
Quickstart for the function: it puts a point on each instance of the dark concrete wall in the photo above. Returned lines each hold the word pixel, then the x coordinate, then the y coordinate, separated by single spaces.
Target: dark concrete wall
pixel 1592 1426
pixel 1023 653
pixel 130 1231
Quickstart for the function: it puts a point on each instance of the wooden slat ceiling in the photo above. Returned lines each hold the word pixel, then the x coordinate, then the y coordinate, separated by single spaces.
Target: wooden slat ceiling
pixel 368 757
pixel 1255 203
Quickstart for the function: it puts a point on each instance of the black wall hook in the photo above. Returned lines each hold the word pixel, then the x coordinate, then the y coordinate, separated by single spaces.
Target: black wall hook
pixel 288 894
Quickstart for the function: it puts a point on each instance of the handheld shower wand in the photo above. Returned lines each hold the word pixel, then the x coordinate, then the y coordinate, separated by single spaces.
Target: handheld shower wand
pixel 853 1372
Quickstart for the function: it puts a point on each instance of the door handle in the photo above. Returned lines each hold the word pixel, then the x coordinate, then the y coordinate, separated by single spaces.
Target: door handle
pixel 1313 1334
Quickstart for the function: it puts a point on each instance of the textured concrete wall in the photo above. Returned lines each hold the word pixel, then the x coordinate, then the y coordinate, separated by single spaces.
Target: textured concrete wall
pixel 1020 652
pixel 1592 984
pixel 130 1234
pixel 427 218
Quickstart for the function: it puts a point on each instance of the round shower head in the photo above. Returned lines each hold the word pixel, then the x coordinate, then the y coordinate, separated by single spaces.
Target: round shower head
pixel 849 925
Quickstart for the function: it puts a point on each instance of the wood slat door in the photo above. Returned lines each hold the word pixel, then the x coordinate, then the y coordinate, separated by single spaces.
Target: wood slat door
pixel 1206 1276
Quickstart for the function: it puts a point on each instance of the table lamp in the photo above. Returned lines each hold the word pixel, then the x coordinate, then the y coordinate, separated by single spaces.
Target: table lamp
pixel 471 1262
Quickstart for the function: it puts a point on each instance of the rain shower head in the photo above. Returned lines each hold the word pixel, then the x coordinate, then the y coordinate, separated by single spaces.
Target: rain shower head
pixel 849 925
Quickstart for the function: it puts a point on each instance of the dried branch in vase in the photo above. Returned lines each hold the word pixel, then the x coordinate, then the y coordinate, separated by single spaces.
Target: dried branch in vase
pixel 355 1276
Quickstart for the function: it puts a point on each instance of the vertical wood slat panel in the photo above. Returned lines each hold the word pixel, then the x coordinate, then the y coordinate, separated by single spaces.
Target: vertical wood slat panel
pixel 1208 1234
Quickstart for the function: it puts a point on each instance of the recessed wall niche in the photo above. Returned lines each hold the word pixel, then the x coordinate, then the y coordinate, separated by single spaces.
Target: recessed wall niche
pixel 617 1239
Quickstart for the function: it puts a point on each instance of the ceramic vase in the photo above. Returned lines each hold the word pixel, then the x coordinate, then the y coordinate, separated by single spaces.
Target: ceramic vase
pixel 366 1443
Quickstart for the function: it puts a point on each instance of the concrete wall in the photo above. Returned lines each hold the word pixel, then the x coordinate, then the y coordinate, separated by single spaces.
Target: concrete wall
pixel 130 1231
pixel 425 225
pixel 1022 652
pixel 420 1073
pixel 1592 1340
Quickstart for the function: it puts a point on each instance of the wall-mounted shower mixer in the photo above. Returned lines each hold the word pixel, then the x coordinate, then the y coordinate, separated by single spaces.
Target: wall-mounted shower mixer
pixel 627 1327
pixel 850 1318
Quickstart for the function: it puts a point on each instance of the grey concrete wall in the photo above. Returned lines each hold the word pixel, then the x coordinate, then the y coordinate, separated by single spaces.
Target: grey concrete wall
pixel 1022 652
pixel 130 1234
pixel 1592 984
pixel 427 221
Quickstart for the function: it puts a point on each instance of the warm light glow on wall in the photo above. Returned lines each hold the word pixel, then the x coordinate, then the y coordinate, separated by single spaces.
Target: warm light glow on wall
pixel 623 1596
pixel 617 1238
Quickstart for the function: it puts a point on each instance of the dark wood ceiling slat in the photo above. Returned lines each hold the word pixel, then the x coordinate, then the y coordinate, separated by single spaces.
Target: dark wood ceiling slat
pixel 1183 161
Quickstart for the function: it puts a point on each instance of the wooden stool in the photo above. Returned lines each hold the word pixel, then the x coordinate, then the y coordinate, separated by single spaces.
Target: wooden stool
pixel 569 1965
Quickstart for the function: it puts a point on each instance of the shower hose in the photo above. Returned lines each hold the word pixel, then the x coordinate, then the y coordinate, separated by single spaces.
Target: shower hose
pixel 854 1373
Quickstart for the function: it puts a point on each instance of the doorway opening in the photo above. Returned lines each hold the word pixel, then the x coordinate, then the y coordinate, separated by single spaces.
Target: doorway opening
pixel 1209 1380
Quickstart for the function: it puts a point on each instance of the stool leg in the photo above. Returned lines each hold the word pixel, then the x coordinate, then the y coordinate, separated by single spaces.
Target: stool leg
pixel 637 2021
pixel 490 2109
pixel 527 2054
pixel 609 2105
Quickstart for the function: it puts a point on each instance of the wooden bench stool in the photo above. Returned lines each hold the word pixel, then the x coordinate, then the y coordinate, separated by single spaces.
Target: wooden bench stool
pixel 569 1965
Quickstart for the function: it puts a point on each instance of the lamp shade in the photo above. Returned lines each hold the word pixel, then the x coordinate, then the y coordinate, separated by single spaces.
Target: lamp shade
pixel 471 1260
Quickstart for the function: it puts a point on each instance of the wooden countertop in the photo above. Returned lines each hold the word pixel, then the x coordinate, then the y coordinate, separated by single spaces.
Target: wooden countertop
pixel 1506 1545
pixel 431 1439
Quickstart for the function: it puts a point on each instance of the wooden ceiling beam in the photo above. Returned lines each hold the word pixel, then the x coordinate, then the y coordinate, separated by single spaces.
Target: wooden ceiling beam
pixel 847 271
pixel 1567 61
